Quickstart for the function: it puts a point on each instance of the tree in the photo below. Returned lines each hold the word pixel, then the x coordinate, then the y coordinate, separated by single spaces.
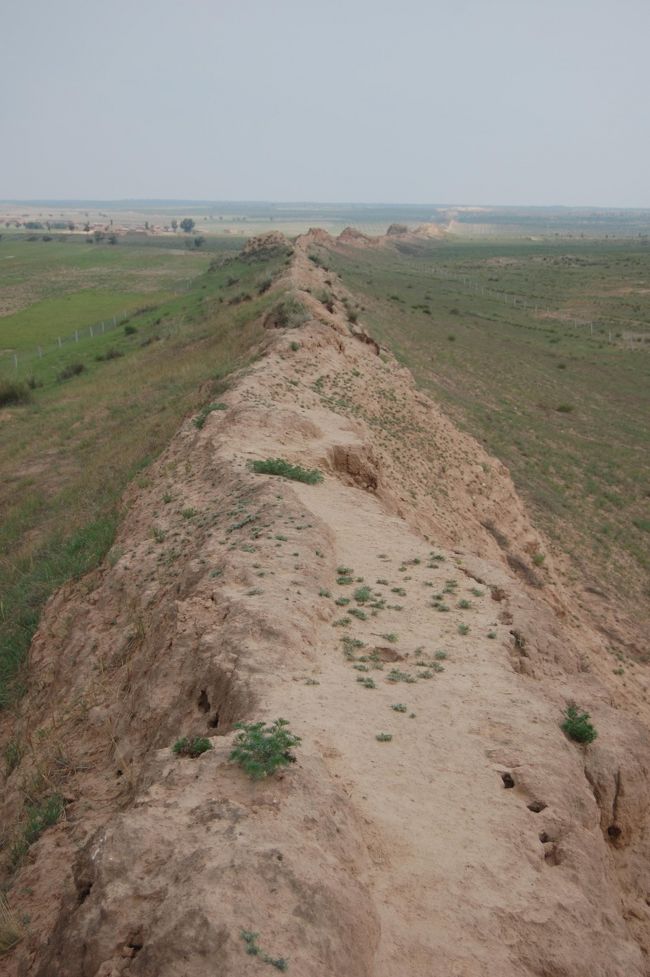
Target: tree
pixel 199 241
pixel 174 224
pixel 112 239
pixel 187 225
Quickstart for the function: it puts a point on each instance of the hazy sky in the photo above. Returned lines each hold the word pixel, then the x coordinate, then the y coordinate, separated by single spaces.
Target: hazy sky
pixel 442 101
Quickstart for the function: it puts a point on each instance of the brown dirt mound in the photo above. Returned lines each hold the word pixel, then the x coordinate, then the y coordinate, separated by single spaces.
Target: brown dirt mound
pixel 459 833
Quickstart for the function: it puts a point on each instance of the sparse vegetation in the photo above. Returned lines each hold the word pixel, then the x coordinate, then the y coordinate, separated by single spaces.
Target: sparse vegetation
pixel 191 746
pixel 261 750
pixel 577 725
pixel 204 413
pixel 278 466
pixel 71 370
pixel 12 755
pixel 13 393
pixel 40 815
pixel 254 950
pixel 362 594
pixel 11 928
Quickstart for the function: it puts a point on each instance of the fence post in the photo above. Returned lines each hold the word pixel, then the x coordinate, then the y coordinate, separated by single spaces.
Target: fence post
pixel 76 335
pixel 91 332
pixel 16 361
pixel 59 339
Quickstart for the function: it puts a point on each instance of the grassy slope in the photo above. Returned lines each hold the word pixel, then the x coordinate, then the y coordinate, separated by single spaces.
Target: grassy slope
pixel 503 372
pixel 67 457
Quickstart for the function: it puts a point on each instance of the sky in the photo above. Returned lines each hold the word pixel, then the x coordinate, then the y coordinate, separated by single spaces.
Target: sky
pixel 522 102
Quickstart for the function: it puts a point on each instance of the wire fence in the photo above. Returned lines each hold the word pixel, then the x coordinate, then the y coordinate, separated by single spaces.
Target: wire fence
pixel 597 328
pixel 20 362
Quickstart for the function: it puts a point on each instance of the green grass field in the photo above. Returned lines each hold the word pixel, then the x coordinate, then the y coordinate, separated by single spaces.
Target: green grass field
pixel 67 456
pixel 566 412
pixel 41 323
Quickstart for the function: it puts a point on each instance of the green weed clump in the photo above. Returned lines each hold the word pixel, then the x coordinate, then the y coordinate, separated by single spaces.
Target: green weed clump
pixel 204 413
pixel 40 816
pixel 254 950
pixel 278 466
pixel 577 726
pixel 261 750
pixel 70 371
pixel 362 594
pixel 13 393
pixel 191 746
pixel 287 314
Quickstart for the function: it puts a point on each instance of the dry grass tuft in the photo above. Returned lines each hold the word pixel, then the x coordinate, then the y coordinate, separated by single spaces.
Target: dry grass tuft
pixel 11 928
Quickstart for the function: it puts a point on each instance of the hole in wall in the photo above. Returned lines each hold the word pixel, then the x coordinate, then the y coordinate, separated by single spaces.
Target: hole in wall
pixel 537 806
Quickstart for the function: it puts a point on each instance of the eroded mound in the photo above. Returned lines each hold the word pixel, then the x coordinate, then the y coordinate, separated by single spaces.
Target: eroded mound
pixel 437 819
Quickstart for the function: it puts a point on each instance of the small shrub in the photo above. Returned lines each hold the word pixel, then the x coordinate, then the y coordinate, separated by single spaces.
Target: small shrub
pixel 396 676
pixel 362 594
pixel 130 330
pixel 13 392
pixel 191 746
pixel 110 354
pixel 294 346
pixel 463 628
pixel 278 466
pixel 399 707
pixel 366 682
pixel 538 559
pixel 577 726
pixel 565 408
pixel 391 637
pixel 384 737
pixel 287 314
pixel 71 370
pixel 492 634
pixel 261 750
